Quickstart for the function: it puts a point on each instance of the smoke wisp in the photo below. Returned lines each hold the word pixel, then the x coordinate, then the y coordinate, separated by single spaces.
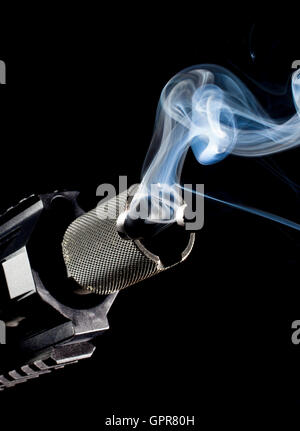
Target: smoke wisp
pixel 209 110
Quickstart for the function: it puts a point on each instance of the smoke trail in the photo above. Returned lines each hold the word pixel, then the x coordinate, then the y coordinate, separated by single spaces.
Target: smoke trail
pixel 208 109
pixel 250 210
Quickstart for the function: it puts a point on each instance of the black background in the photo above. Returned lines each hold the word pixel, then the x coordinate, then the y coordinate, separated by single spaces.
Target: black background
pixel 211 337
